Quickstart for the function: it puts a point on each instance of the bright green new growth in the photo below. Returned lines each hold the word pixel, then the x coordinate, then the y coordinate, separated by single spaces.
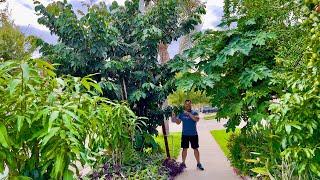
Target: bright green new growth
pixel 49 123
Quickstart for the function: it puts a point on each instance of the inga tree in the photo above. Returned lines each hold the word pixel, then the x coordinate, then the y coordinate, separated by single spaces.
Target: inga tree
pixel 121 45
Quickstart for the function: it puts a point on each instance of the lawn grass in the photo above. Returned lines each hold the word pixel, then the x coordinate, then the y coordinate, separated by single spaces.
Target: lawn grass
pixel 211 116
pixel 174 141
pixel 221 137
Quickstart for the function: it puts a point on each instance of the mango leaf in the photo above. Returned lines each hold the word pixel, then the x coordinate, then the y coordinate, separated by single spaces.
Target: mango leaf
pixel 288 128
pixel 21 178
pixel 97 87
pixel 4 139
pixel 315 168
pixel 20 122
pixel 252 160
pixel 25 71
pixel 68 175
pixel 53 116
pixel 59 166
pixel 49 135
pixel 12 85
pixel 261 170
pixel 2 167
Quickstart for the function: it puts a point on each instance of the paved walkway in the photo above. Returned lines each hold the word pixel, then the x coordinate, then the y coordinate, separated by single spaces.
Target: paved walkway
pixel 217 166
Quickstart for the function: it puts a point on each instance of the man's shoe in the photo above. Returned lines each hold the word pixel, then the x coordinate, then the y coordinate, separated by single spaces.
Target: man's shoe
pixel 199 166
pixel 183 165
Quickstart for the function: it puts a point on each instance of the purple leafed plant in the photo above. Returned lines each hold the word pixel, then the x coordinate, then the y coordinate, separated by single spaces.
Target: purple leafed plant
pixel 174 168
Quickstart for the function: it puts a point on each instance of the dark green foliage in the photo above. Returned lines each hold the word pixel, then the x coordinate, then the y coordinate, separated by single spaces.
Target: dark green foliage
pixel 266 53
pixel 233 71
pixel 121 45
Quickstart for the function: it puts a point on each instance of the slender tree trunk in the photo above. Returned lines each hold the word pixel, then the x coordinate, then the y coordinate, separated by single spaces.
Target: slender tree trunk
pixel 163 53
pixel 142 6
pixel 125 94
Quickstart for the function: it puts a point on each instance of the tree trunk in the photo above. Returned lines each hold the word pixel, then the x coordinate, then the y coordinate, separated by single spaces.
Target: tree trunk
pixel 142 6
pixel 163 53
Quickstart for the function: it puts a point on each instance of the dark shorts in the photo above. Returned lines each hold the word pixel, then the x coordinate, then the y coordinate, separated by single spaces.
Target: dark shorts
pixel 194 140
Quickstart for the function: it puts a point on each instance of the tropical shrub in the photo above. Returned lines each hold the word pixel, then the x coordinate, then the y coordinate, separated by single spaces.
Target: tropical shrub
pixel 49 124
pixel 296 118
pixel 250 149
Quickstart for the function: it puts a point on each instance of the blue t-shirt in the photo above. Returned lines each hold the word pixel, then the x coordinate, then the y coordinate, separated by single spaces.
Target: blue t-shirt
pixel 188 125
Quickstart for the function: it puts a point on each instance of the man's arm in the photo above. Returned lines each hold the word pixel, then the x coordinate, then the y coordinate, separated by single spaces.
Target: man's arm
pixel 195 117
pixel 176 120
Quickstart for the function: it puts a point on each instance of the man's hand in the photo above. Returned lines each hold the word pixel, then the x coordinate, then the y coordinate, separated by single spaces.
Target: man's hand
pixel 194 118
pixel 175 119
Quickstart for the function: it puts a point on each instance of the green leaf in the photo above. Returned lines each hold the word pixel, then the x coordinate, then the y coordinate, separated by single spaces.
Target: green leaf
pixel 262 37
pixel 21 178
pixel 97 87
pixel 68 175
pixel 60 81
pixel 4 139
pixel 288 128
pixel 250 22
pixel 12 85
pixel 2 167
pixel 252 160
pixel 49 135
pixel 59 166
pixel 315 168
pixel 20 122
pixel 25 71
pixel 219 61
pixel 54 115
pixel 261 170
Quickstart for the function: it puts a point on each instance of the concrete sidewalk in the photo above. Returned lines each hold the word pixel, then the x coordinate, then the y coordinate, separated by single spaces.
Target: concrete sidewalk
pixel 213 160
pixel 217 166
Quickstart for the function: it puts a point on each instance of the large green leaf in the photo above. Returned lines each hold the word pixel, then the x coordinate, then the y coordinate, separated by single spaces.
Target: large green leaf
pixel 53 116
pixel 49 135
pixel 261 170
pixel 4 139
pixel 12 85
pixel 26 71
pixel 68 175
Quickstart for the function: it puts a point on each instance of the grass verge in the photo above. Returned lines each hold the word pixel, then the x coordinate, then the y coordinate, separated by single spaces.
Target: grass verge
pixel 211 116
pixel 174 141
pixel 221 137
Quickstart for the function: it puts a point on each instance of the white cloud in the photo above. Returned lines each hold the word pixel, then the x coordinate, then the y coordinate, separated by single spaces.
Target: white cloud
pixel 23 14
pixel 213 8
pixel 214 2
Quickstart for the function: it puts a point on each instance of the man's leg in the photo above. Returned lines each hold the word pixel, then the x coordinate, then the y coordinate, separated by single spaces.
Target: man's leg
pixel 195 146
pixel 196 155
pixel 184 155
pixel 184 146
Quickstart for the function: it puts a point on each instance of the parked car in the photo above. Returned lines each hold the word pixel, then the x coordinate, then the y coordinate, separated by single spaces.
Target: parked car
pixel 208 109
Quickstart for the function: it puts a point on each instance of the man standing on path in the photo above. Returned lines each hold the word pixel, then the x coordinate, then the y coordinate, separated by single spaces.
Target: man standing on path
pixel 189 119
